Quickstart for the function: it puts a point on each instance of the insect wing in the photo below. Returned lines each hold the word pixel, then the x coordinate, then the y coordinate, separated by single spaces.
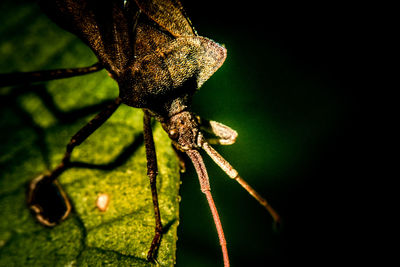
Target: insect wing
pixel 169 14
pixel 103 25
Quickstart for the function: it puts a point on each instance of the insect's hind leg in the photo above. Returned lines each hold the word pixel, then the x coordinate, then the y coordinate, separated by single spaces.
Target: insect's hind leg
pixel 15 78
pixel 45 196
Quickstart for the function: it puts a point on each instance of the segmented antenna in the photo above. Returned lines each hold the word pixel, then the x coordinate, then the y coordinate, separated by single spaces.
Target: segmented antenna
pixel 232 173
pixel 201 170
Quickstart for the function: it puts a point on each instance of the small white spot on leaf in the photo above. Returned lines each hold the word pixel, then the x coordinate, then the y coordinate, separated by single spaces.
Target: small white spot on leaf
pixel 102 201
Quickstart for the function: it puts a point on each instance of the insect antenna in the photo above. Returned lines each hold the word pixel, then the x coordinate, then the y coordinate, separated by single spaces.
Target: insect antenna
pixel 232 173
pixel 201 170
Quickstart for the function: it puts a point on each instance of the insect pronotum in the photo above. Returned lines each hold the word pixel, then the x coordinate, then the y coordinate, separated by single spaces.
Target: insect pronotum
pixel 159 61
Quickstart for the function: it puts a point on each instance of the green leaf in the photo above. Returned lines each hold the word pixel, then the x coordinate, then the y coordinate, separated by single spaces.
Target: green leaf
pixel 37 122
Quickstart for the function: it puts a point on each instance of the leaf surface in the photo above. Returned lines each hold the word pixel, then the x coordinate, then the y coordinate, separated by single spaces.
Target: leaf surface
pixel 36 123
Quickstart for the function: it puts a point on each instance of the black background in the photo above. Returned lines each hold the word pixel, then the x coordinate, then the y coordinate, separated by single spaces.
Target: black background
pixel 323 197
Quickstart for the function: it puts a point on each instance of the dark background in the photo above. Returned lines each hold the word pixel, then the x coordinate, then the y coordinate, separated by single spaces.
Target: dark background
pixel 294 86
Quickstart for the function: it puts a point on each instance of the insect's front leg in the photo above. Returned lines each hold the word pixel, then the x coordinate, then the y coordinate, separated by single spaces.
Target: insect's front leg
pixel 45 195
pixel 152 172
pixel 222 134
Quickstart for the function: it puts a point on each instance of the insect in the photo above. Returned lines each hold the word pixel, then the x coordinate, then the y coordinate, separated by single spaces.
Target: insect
pixel 152 51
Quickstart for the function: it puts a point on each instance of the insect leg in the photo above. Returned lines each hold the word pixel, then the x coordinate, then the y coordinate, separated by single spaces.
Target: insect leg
pixel 224 134
pixel 47 183
pixel 232 173
pixel 15 78
pixel 152 172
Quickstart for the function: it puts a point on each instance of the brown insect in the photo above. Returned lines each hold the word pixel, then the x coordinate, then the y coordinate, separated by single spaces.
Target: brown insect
pixel 159 61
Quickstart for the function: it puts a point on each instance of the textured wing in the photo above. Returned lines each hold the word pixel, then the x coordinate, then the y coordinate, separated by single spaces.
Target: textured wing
pixel 168 14
pixel 103 25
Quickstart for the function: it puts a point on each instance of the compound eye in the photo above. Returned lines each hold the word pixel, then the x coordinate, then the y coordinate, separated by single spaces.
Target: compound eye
pixel 173 134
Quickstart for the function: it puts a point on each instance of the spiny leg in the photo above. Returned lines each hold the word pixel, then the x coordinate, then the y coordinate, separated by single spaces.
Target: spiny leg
pixel 15 78
pixel 232 173
pixel 47 183
pixel 152 172
pixel 201 170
